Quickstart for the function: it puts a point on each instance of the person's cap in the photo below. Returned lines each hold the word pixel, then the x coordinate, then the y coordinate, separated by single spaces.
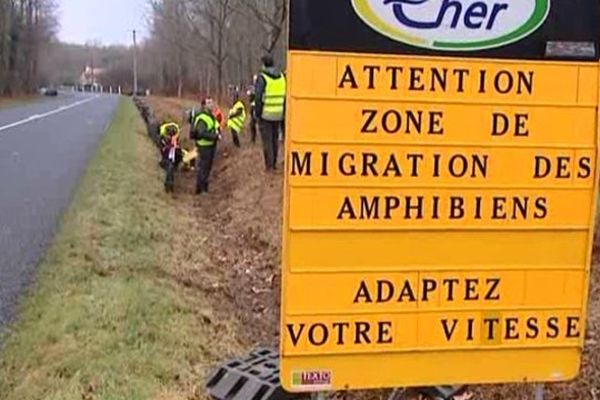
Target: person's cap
pixel 267 60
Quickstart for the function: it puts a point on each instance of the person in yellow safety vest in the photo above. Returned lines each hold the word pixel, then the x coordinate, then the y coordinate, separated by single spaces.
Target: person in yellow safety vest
pixel 237 119
pixel 270 109
pixel 204 131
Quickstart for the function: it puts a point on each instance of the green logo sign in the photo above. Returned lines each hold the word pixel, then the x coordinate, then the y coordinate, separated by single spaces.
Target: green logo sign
pixel 454 25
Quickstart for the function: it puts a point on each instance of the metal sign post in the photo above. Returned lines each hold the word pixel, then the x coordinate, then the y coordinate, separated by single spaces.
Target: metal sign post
pixel 397 394
pixel 539 392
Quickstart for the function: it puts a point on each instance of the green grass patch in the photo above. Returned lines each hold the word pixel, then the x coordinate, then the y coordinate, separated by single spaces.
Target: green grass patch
pixel 102 322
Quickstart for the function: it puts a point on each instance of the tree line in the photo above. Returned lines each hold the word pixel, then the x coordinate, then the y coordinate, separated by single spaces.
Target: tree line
pixel 200 47
pixel 206 46
pixel 27 27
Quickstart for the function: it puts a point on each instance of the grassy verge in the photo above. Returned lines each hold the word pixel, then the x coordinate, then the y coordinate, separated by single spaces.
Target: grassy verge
pixel 108 318
pixel 6 102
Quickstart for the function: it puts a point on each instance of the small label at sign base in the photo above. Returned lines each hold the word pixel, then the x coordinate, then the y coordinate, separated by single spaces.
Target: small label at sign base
pixel 314 380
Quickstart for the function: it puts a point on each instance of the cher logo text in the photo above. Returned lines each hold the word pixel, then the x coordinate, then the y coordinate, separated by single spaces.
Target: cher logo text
pixel 454 25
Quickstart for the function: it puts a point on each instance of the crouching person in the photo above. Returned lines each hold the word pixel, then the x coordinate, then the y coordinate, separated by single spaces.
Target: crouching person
pixel 171 153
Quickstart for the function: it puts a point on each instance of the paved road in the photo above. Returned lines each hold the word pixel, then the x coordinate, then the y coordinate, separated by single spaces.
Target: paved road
pixel 44 149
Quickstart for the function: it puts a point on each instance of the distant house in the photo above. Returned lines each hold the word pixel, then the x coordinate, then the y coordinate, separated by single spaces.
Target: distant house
pixel 91 77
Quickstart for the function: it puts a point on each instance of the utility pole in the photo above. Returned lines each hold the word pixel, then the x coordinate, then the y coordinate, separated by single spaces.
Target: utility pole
pixel 135 76
pixel 92 68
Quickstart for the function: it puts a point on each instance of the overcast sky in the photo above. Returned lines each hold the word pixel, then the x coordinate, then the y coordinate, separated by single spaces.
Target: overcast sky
pixel 108 21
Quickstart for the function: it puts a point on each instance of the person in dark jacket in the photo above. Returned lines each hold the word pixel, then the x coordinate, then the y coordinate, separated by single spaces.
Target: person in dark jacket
pixel 204 131
pixel 270 92
pixel 253 121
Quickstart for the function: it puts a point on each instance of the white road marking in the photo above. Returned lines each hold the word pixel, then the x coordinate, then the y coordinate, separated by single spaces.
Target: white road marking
pixel 40 116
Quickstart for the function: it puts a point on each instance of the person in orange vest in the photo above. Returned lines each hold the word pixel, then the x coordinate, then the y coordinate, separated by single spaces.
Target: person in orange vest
pixel 219 117
pixel 217 113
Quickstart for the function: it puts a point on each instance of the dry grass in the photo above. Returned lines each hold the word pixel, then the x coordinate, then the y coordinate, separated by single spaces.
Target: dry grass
pixel 242 219
pixel 6 102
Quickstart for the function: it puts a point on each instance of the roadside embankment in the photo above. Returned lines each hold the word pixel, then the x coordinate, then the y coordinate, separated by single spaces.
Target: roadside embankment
pixel 110 317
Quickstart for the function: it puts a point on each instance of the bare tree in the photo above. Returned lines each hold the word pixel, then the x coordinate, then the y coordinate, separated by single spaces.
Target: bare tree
pixel 26 28
pixel 206 45
pixel 272 14
pixel 171 35
pixel 210 21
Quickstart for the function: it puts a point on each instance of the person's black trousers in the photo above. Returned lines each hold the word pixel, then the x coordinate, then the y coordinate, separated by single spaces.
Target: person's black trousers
pixel 253 126
pixel 236 138
pixel 206 157
pixel 269 131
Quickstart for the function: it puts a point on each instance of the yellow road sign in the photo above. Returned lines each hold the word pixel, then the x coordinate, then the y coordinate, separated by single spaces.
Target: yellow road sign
pixel 362 121
pixel 439 209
